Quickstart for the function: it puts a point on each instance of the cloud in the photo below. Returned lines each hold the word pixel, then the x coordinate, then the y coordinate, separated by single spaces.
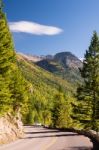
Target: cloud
pixel 33 28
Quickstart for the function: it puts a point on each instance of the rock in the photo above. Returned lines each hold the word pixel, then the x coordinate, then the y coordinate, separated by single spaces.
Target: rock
pixel 11 128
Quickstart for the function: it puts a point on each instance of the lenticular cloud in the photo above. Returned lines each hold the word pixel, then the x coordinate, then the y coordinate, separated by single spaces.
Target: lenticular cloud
pixel 33 28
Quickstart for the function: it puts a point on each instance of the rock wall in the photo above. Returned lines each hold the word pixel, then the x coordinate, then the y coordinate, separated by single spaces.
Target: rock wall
pixel 11 128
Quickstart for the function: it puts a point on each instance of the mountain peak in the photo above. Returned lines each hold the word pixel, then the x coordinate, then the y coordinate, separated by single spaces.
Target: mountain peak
pixel 67 59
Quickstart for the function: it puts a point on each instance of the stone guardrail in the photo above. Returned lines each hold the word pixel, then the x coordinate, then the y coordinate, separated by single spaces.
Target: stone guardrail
pixel 92 135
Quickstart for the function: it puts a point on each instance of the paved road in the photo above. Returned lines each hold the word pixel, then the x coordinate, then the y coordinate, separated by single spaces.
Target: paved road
pixel 45 139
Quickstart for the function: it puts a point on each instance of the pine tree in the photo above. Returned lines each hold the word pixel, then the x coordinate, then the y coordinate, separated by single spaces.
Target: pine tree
pixel 88 93
pixel 7 54
pixel 61 112
pixel 6 59
pixel 19 90
pixel 13 87
pixel 4 96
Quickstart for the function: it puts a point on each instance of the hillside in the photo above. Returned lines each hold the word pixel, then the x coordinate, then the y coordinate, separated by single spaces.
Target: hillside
pixel 37 75
pixel 45 86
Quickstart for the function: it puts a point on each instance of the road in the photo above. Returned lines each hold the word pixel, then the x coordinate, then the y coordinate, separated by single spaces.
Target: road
pixel 38 138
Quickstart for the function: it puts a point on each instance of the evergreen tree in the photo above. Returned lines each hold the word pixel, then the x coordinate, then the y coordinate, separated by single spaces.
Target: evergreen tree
pixel 61 112
pixel 13 87
pixel 4 96
pixel 7 54
pixel 6 59
pixel 30 117
pixel 19 91
pixel 88 93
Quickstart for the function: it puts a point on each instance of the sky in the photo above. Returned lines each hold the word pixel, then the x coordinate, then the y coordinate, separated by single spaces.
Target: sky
pixel 42 27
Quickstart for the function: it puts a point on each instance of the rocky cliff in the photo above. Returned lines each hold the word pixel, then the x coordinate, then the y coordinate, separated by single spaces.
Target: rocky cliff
pixel 11 128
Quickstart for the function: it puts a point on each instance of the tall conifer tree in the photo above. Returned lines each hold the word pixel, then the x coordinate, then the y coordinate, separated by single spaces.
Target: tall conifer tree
pixel 88 93
pixel 12 84
pixel 61 111
pixel 7 54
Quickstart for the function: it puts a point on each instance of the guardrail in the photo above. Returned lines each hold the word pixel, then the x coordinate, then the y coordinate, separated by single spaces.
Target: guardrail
pixel 93 135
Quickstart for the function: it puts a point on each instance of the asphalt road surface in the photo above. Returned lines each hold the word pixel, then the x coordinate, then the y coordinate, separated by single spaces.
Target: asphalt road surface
pixel 38 138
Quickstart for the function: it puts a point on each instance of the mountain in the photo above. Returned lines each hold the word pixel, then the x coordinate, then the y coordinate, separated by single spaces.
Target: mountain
pixel 36 75
pixel 64 64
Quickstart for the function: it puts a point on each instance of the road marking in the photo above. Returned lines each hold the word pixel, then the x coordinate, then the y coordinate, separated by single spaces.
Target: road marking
pixel 50 144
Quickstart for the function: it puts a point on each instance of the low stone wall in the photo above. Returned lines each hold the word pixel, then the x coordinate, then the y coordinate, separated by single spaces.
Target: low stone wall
pixel 93 135
pixel 11 128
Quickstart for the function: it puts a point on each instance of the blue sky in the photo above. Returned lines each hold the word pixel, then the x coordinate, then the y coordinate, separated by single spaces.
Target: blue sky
pixel 56 25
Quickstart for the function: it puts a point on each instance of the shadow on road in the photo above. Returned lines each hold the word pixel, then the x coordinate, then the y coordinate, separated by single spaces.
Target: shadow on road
pixel 47 134
pixel 44 132
pixel 80 148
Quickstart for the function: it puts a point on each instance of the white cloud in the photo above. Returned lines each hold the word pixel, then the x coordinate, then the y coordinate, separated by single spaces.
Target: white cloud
pixel 33 28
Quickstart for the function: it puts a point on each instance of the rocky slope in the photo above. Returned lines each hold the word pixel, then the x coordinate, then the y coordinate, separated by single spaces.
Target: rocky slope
pixel 11 128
